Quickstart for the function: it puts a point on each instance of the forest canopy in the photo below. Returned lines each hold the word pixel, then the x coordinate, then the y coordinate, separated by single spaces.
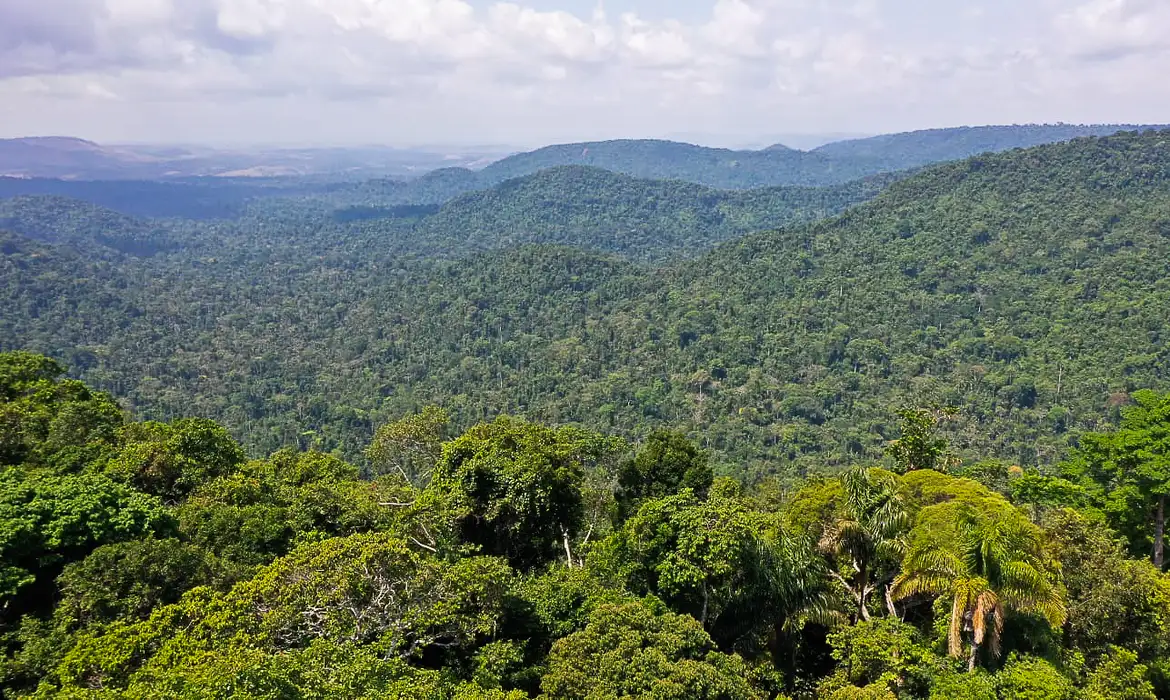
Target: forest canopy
pixel 153 560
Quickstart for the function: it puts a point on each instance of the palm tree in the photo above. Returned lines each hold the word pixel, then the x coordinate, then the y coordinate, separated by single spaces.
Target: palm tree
pixel 989 567
pixel 870 535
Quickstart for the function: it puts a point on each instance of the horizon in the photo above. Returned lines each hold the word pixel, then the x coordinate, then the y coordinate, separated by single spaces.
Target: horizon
pixel 714 141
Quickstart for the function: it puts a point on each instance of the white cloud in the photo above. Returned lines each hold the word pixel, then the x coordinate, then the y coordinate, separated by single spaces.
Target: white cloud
pixel 1111 29
pixel 450 68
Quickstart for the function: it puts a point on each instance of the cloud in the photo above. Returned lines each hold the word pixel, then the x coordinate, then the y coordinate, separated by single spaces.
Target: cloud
pixel 1104 30
pixel 712 64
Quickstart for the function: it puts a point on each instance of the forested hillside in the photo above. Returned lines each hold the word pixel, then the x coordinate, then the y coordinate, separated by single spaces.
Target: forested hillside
pixel 1027 290
pixel 147 560
pixel 832 164
pixel 644 219
pixel 916 148
pixel 835 164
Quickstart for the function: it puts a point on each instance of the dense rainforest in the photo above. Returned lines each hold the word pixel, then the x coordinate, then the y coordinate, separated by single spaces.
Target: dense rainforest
pixel 518 560
pixel 1024 290
pixel 832 164
pixel 835 164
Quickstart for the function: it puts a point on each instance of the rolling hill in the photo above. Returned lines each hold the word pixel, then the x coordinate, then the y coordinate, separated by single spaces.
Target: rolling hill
pixel 1028 289
pixel 590 208
pixel 776 166
pixel 916 148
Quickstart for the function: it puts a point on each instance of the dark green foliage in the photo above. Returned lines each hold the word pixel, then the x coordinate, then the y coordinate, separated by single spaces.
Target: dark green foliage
pixel 829 164
pixel 641 219
pixel 915 148
pixel 664 465
pixel 257 513
pixel 1112 600
pixel 984 285
pixel 170 460
pixel 290 577
pixel 51 422
pixel 128 580
pixel 48 521
pixel 1127 472
pixel 515 487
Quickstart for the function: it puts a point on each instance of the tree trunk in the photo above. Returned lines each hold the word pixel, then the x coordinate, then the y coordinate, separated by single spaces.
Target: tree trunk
pixel 1160 532
pixel 706 600
pixel 862 593
pixel 973 657
pixel 889 593
pixel 568 548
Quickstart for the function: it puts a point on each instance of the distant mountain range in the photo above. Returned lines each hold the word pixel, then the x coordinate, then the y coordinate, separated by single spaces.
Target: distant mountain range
pixel 77 159
pixel 451 174
pixel 775 166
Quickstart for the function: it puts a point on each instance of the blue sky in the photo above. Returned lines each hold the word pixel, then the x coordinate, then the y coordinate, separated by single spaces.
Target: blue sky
pixel 527 72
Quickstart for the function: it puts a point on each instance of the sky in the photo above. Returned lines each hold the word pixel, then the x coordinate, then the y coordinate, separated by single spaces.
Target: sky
pixel 526 72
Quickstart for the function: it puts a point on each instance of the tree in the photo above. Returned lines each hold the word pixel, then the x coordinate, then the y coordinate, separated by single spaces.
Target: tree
pixel 1112 601
pixel 731 568
pixel 128 580
pixel 369 591
pixel 1032 678
pixel 171 460
pixel 920 446
pixel 260 511
pixel 515 488
pixel 1119 677
pixel 985 564
pixel 667 463
pixel 869 535
pixel 410 446
pixel 48 521
pixel 1128 472
pixel 885 652
pixel 632 651
pixel 49 421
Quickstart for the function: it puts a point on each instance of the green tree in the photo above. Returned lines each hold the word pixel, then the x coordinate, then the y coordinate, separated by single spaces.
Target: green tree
pixel 48 521
pixel 515 487
pixel 49 421
pixel 730 567
pixel 368 590
pixel 128 580
pixel 632 651
pixel 868 538
pixel 1119 676
pixel 1112 600
pixel 410 446
pixel 1128 471
pixel 985 564
pixel 885 653
pixel 263 508
pixel 667 463
pixel 1031 678
pixel 920 445
pixel 171 460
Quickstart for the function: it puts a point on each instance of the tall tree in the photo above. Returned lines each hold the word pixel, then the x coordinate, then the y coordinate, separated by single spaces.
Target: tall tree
pixel 666 464
pixel 986 564
pixel 1128 472
pixel 516 488
pixel 868 537
pixel 920 445
pixel 410 446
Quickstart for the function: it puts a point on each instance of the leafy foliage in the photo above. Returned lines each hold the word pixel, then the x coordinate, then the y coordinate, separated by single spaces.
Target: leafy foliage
pixel 293 577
